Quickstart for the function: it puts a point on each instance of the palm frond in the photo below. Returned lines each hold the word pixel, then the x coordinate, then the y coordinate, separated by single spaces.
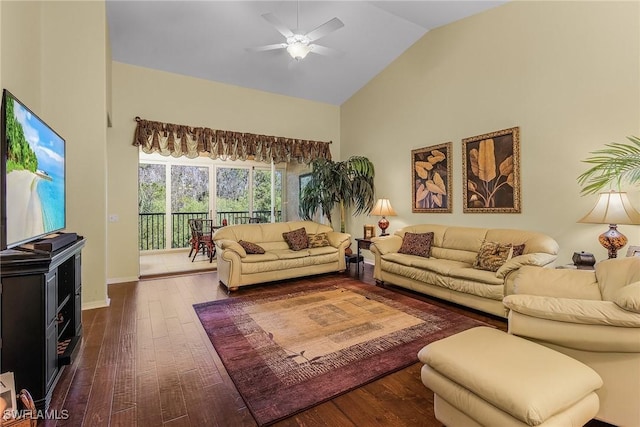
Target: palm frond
pixel 618 163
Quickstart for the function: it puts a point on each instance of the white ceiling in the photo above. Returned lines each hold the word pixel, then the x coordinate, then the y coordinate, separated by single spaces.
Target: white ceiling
pixel 209 40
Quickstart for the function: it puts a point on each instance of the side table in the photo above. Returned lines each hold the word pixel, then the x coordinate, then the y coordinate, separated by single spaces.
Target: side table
pixel 362 243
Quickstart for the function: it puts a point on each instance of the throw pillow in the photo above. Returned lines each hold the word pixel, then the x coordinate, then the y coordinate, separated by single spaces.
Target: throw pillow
pixel 251 248
pixel 296 239
pixel 517 250
pixel 492 255
pixel 318 240
pixel 417 244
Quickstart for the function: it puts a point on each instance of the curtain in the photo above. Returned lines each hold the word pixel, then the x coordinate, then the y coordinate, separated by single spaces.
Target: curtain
pixel 179 140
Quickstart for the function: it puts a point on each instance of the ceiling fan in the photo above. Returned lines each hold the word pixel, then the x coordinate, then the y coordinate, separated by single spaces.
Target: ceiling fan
pixel 299 44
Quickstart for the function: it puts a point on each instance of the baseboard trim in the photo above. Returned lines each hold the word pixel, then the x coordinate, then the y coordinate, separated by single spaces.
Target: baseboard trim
pixel 115 280
pixel 96 304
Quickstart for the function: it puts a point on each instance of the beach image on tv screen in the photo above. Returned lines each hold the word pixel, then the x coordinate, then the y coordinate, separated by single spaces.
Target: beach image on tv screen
pixel 35 176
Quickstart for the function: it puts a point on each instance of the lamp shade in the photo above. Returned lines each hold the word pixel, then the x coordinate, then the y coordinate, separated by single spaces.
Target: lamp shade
pixel 383 208
pixel 612 208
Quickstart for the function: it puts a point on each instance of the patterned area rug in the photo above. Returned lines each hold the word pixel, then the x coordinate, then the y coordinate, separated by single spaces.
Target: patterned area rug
pixel 294 347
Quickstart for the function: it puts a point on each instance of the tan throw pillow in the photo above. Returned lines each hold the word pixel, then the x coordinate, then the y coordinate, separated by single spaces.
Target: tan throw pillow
pixel 251 248
pixel 628 298
pixel 318 240
pixel 296 239
pixel 418 244
pixel 492 255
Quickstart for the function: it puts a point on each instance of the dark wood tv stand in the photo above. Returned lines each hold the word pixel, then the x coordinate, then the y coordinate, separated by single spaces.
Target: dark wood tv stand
pixel 41 320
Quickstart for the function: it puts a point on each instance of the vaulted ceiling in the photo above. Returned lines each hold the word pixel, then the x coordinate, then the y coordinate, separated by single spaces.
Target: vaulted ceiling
pixel 209 40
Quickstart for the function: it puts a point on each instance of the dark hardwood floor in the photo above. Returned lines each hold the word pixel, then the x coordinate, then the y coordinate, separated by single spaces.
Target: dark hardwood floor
pixel 146 361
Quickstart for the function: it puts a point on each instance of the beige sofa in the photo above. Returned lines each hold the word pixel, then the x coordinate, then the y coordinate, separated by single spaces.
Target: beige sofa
pixel 237 268
pixel 449 273
pixel 593 317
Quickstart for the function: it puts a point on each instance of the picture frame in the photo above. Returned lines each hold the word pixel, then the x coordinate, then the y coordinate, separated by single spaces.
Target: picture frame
pixel 633 251
pixel 431 179
pixel 491 172
pixel 303 180
pixel 369 231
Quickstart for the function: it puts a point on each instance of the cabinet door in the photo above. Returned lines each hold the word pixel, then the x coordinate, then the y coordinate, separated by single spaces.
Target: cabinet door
pixel 51 298
pixel 51 354
pixel 77 300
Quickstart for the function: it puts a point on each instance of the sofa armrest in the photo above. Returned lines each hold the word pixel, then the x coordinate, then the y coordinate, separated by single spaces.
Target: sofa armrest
pixel 337 239
pixel 386 244
pixel 568 310
pixel 559 283
pixel 538 259
pixel 231 245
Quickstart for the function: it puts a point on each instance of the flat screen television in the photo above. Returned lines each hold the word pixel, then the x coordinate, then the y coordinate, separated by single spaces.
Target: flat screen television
pixel 33 175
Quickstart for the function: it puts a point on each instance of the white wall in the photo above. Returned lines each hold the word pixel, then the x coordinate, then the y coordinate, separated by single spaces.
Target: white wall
pixel 566 73
pixel 166 97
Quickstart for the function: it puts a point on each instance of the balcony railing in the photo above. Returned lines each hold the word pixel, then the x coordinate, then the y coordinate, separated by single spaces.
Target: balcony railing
pixel 152 226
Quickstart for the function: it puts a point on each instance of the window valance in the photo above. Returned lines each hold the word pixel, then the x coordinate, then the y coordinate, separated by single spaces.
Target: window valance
pixel 179 140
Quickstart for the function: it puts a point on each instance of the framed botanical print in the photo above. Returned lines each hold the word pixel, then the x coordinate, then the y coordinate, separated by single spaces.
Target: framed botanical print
pixel 431 179
pixel 491 172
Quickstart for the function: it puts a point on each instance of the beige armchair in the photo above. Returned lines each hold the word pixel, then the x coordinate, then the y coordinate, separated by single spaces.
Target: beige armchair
pixel 592 316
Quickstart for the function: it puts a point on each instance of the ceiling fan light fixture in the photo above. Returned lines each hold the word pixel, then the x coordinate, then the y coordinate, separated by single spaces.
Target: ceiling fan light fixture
pixel 298 50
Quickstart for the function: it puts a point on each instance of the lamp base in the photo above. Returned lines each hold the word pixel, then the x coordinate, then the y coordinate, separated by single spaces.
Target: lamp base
pixel 612 240
pixel 383 224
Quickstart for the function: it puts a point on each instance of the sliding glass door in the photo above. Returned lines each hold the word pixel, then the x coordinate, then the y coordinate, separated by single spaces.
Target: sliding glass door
pixel 189 199
pixel 244 195
pixel 172 192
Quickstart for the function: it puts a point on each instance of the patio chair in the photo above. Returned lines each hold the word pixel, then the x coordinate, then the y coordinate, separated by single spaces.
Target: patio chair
pixel 201 238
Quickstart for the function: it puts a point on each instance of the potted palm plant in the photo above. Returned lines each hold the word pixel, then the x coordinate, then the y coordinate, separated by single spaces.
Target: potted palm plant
pixel 616 164
pixel 347 184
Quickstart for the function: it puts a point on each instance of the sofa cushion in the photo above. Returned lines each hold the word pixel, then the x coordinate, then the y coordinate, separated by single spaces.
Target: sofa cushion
pixel 572 310
pixel 323 250
pixel 290 254
pixel 628 297
pixel 418 244
pixel 476 275
pixel 253 258
pixel 492 255
pixel 318 240
pixel 474 287
pixel 251 248
pixel 440 266
pixel 296 239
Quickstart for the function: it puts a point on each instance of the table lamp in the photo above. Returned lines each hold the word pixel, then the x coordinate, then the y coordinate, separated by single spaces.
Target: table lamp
pixel 612 208
pixel 383 208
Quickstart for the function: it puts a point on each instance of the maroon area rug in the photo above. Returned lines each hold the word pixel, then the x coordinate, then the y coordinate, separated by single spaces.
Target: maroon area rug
pixel 295 346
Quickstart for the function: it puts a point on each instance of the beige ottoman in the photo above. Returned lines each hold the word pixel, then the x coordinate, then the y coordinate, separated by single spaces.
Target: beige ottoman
pixel 485 377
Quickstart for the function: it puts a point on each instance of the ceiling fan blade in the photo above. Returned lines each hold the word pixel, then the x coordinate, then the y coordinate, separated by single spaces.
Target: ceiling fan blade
pixel 267 47
pixel 282 29
pixel 324 29
pixel 323 50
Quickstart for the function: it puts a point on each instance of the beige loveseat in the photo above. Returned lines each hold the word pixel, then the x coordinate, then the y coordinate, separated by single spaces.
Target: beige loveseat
pixel 237 268
pixel 593 317
pixel 448 272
